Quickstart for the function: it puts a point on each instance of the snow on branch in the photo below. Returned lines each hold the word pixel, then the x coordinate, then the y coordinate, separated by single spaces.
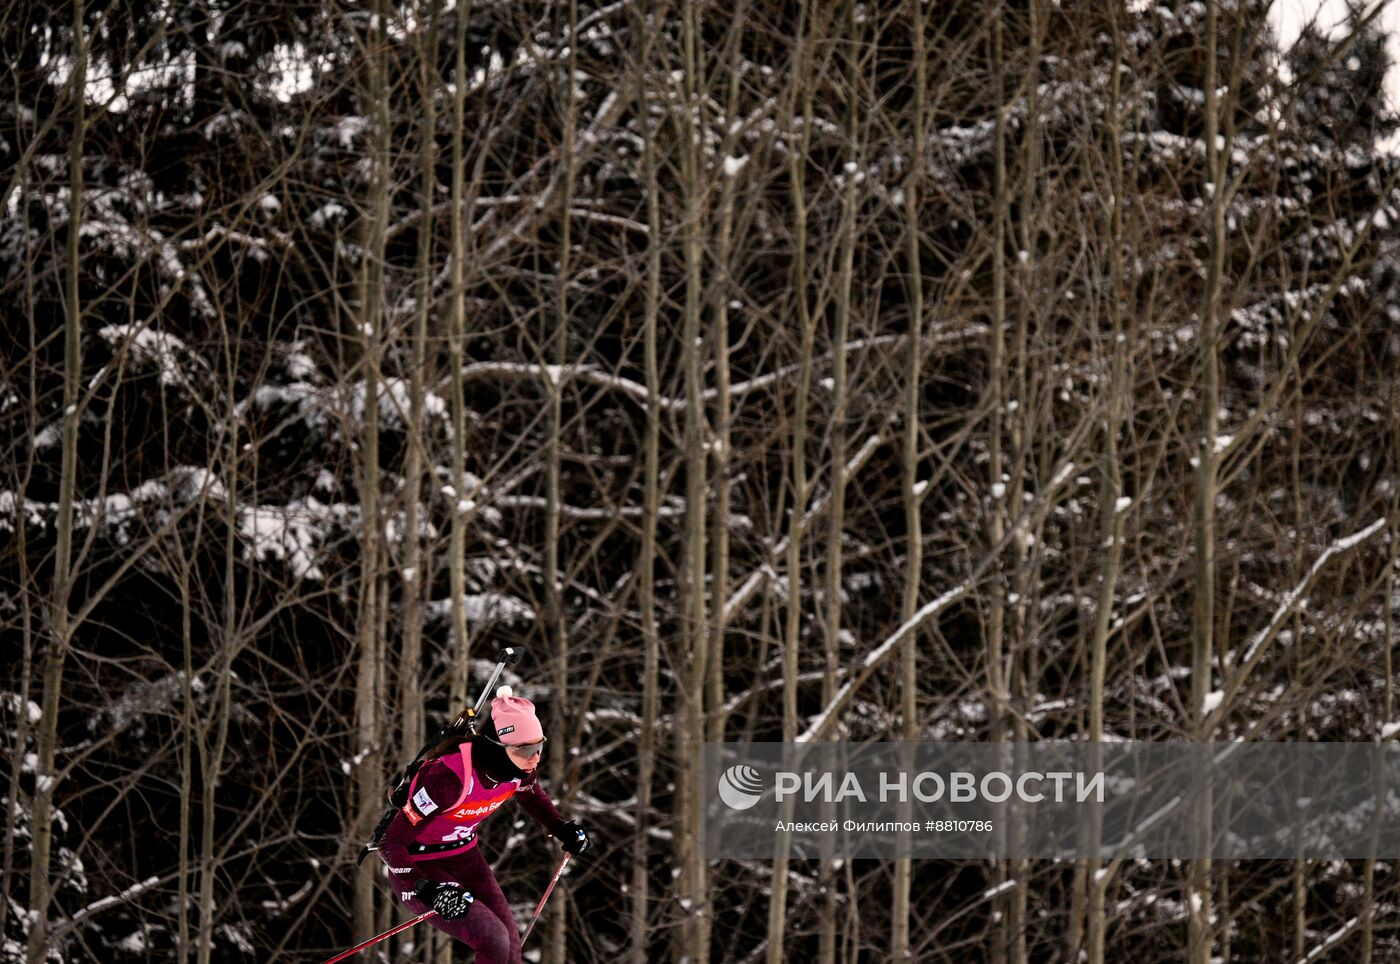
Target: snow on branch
pixel 105 903
pixel 294 534
pixel 594 513
pixel 1291 598
pixel 257 247
pixel 114 512
pixel 319 406
pixel 740 389
pixel 484 609
pixel 553 374
pixel 1256 649
pixel 822 721
pixel 1331 941
pixel 751 584
pixel 173 360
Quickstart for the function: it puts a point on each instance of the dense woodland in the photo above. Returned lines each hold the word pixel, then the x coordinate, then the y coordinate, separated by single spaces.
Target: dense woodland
pixel 984 370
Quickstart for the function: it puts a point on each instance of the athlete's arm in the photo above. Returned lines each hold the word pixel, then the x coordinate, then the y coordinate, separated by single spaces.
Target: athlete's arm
pixel 434 788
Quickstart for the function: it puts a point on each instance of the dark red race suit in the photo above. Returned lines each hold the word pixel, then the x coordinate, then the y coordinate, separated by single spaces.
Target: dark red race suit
pixel 434 838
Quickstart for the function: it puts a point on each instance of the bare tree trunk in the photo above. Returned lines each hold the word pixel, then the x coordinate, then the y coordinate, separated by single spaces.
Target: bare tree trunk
pixel 1393 563
pixel 188 724
pixel 412 577
pixel 369 692
pixel 691 734
pixel 1298 871
pixel 59 617
pixel 722 286
pixel 213 734
pixel 553 572
pixel 1020 426
pixel 1368 918
pixel 1111 511
pixel 212 753
pixel 1298 932
pixel 456 333
pixel 836 518
pixel 792 628
pixel 638 931
pixel 412 574
pixel 26 590
pixel 1199 918
pixel 1388 651
pixel 997 696
pixel 913 539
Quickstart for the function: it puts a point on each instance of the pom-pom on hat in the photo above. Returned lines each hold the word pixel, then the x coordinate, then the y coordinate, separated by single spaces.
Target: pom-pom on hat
pixel 515 719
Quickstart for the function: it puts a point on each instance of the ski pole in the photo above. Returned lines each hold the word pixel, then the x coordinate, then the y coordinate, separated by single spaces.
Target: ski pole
pixel 547 891
pixel 375 940
pixel 509 655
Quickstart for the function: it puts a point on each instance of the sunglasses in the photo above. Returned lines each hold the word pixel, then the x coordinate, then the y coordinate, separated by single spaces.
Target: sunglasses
pixel 525 749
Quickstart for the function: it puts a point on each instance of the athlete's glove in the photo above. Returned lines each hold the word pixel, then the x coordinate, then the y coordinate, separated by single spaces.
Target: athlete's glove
pixel 573 837
pixel 449 901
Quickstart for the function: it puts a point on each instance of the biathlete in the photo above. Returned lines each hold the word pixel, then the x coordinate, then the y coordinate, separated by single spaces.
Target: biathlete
pixel 430 845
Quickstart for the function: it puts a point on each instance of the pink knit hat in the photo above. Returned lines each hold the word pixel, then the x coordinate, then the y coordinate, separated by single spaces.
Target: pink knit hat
pixel 515 719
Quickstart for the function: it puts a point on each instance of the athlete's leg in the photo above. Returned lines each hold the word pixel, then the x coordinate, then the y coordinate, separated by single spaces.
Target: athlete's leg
pixel 489 926
pixel 478 878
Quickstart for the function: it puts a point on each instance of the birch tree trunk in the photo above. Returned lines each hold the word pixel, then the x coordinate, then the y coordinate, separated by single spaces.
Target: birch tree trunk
pixel 412 574
pixel 1111 516
pixel 638 931
pixel 193 732
pixel 456 334
pixel 1022 672
pixel 914 545
pixel 26 603
pixel 1298 873
pixel 792 627
pixel 59 618
pixel 1388 706
pixel 1199 928
pixel 997 696
pixel 189 729
pixel 836 518
pixel 722 286
pixel 211 751
pixel 369 690
pixel 553 569
pixel 691 734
